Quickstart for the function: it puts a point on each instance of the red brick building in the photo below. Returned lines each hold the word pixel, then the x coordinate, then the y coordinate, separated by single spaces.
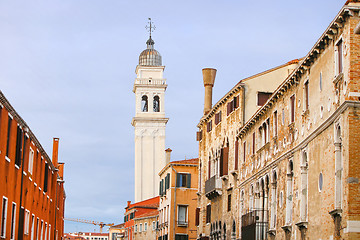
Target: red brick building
pixel 31 184
pixel 135 210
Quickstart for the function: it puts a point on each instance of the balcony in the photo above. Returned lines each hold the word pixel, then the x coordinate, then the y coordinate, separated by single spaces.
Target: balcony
pixel 254 225
pixel 213 187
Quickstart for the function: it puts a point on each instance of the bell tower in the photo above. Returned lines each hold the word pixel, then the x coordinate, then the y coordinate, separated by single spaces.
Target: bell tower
pixel 149 121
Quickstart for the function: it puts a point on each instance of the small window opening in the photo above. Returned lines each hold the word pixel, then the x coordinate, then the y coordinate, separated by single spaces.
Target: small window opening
pixel 144 103
pixel 156 104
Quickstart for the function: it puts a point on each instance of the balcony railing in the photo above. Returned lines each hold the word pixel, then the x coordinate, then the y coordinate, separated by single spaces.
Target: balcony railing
pixel 213 187
pixel 147 81
pixel 254 225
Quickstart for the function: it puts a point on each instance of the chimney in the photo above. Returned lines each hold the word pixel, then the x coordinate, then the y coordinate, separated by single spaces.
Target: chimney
pixel 128 203
pixel 55 152
pixel 209 79
pixel 168 155
pixel 61 170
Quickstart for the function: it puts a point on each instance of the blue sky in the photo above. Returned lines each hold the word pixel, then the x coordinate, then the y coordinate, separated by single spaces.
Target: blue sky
pixel 68 68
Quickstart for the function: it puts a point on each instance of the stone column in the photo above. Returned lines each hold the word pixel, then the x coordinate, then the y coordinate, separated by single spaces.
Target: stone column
pixel 273 205
pixel 338 173
pixel 304 189
pixel 289 199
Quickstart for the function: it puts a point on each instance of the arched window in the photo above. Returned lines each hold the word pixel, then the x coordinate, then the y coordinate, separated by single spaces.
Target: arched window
pixel 144 103
pixel 156 104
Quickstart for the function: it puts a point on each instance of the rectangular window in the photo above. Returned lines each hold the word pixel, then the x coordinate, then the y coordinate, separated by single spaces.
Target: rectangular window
pixel 182 215
pixel 339 48
pixel 199 136
pixel 145 226
pixel 224 161
pixel 253 143
pixel 140 227
pixel 262 97
pixel 208 213
pixel 135 229
pixel 217 118
pixel 4 217
pixel 181 237
pixel 197 217
pixel 18 147
pixel 8 137
pixel 27 222
pixel 275 123
pixel 236 155
pixel 283 116
pixel 229 203
pixel 13 221
pixel 31 161
pixel 37 229
pixel 32 227
pixel 244 151
pixel 42 230
pixel 49 232
pixel 46 177
pixel 306 95
pixel 183 180
pixel 292 108
pixel 45 231
pixel 209 126
pixel 153 225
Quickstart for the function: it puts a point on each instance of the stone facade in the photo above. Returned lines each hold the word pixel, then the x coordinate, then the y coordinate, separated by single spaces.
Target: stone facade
pixel 290 170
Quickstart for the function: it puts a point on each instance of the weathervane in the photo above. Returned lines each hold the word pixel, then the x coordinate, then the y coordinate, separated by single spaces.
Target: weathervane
pixel 150 28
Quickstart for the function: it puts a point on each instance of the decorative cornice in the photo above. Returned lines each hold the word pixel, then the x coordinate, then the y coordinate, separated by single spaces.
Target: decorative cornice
pixel 303 66
pixel 25 127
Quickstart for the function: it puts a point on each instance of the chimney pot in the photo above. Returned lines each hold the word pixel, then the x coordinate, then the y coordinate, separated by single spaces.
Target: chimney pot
pixel 209 79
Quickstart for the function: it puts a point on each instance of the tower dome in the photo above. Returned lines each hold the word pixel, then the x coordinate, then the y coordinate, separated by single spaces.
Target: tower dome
pixel 150 57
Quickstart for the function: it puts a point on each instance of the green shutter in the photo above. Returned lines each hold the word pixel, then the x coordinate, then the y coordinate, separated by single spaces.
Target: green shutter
pixel 160 188
pixel 178 179
pixel 168 181
pixel 188 180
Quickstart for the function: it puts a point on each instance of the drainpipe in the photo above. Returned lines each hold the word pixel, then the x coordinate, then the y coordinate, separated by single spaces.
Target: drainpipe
pixel 174 200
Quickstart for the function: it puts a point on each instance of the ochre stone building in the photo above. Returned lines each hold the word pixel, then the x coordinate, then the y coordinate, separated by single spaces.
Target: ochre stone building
pixel 178 199
pixel 31 184
pixel 288 168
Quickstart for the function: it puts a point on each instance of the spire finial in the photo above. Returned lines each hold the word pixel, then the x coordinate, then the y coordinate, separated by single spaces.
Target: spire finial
pixel 151 27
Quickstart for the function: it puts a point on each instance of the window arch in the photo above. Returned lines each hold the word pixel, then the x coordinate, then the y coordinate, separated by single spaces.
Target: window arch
pixel 144 103
pixel 156 104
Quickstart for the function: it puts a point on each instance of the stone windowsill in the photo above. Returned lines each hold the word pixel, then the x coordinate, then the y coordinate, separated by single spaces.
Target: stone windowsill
pixel 286 228
pixel 302 225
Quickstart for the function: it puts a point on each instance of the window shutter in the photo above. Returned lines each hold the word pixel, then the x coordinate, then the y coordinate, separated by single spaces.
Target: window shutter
pixel 198 136
pixel 228 108
pixel 168 181
pixel 197 217
pixel 160 188
pixel 188 182
pixel 225 160
pixel 237 101
pixel 221 163
pixel 236 154
pixel 178 179
pixel 263 97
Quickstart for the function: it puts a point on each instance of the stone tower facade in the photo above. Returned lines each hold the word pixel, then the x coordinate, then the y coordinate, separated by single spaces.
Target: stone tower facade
pixel 149 122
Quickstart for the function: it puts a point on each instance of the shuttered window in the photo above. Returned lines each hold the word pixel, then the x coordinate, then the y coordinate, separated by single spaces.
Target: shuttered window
pixel 209 126
pixel 236 155
pixel 292 108
pixel 208 213
pixel 8 136
pixel 262 97
pixel 306 93
pixel 224 157
pixel 183 180
pixel 46 177
pixel 197 217
pixel 217 118
pixel 18 151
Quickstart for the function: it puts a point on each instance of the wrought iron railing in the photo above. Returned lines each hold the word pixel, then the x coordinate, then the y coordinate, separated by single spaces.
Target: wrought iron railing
pixel 254 225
